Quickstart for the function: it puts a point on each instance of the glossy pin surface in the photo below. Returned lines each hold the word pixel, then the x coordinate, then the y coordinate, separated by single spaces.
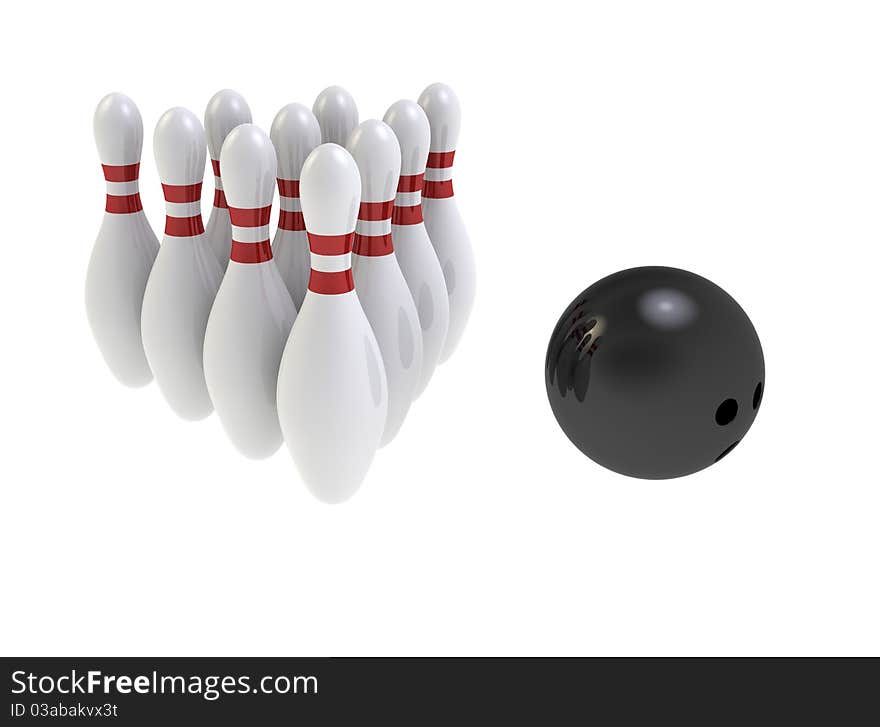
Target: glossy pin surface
pixel 126 245
pixel 186 274
pixel 253 312
pixel 226 110
pixel 295 133
pixel 378 279
pixel 337 114
pixel 332 388
pixel 442 218
pixel 413 248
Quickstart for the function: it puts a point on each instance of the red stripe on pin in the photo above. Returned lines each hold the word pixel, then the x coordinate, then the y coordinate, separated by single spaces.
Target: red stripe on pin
pixel 184 226
pixel 407 215
pixel 374 211
pixel 220 198
pixel 331 283
pixel 288 187
pixel 182 192
pixel 250 252
pixel 122 173
pixel 410 183
pixel 292 221
pixel 438 190
pixel 256 217
pixel 372 245
pixel 440 159
pixel 330 244
pixel 215 165
pixel 123 204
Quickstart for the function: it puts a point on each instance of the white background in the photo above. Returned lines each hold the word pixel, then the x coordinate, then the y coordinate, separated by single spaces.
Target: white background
pixel 739 140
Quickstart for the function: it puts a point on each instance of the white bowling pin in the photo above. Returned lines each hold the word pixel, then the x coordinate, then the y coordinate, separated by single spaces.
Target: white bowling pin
pixel 337 114
pixel 186 275
pixel 379 283
pixel 442 218
pixel 416 256
pixel 226 110
pixel 126 246
pixel 332 389
pixel 253 312
pixel 295 132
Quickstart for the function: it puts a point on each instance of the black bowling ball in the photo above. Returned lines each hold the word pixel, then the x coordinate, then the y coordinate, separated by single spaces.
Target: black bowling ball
pixel 654 372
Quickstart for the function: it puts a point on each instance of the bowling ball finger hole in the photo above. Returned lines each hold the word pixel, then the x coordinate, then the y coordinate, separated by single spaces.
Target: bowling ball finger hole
pixel 726 413
pixel 756 397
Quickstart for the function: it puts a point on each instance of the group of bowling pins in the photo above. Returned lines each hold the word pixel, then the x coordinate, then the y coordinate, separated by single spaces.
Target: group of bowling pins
pixel 326 335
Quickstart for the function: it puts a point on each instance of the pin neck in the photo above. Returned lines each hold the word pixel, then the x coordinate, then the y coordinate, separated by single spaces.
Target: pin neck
pixel 373 232
pixel 290 217
pixel 250 234
pixel 331 263
pixel 408 202
pixel 219 194
pixel 438 175
pixel 123 195
pixel 183 209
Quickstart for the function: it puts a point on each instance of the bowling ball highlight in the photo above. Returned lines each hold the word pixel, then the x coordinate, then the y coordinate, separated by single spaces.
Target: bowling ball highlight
pixel 654 372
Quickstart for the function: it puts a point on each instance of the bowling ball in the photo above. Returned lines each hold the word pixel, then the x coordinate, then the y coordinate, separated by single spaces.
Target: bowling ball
pixel 654 372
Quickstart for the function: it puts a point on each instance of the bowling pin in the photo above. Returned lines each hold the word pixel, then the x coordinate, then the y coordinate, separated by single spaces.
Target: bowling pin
pixel 126 245
pixel 295 132
pixel 337 114
pixel 253 312
pixel 413 249
pixel 332 389
pixel 226 110
pixel 380 285
pixel 442 218
pixel 186 275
